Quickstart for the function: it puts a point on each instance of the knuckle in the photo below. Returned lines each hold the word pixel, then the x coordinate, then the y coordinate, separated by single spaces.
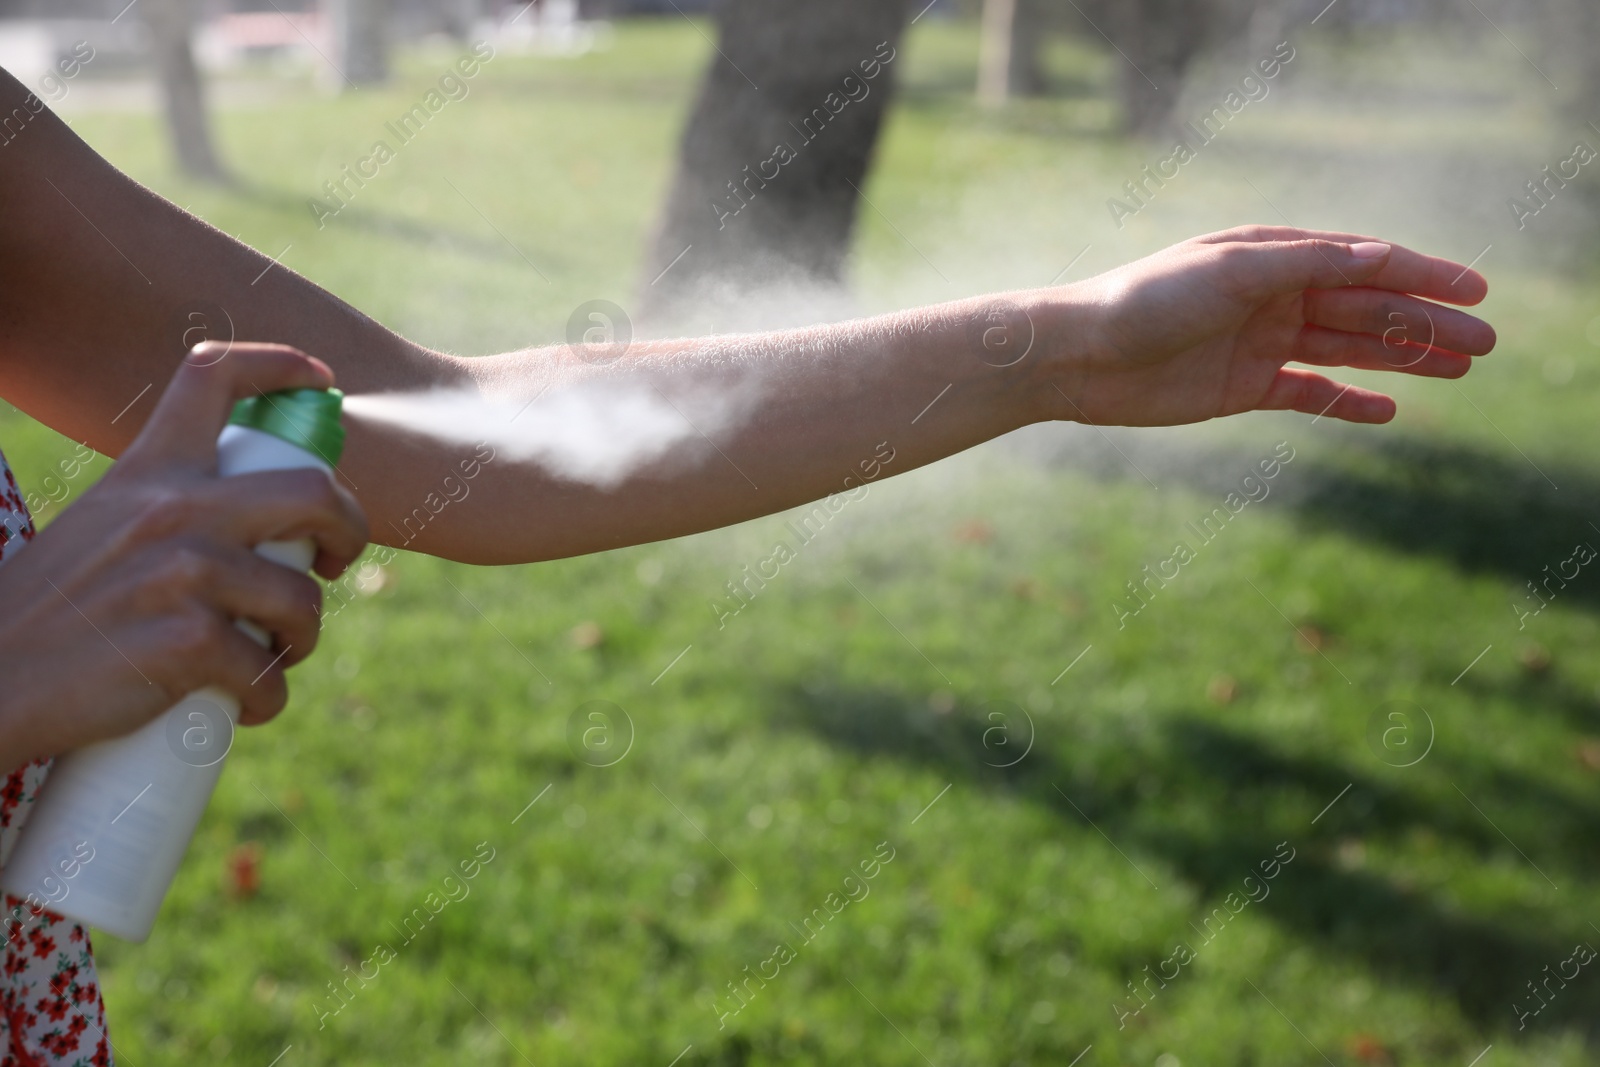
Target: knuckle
pixel 1237 272
pixel 301 597
pixel 1234 255
pixel 315 491
pixel 1397 311
pixel 269 693
pixel 203 354
pixel 164 511
pixel 1231 234
pixel 189 569
pixel 195 637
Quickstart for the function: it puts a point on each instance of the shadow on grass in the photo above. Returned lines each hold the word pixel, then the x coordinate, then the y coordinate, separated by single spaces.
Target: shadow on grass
pixel 1485 513
pixel 1224 802
pixel 1482 512
pixel 383 224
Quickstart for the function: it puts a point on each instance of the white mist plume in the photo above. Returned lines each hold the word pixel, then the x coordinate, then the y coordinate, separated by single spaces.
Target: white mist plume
pixel 596 433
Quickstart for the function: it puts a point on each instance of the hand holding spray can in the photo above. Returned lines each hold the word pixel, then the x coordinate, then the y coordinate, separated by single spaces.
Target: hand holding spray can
pixel 116 817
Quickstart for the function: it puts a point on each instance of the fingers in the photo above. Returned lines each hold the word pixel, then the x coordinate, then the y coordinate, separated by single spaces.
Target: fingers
pixel 1275 268
pixel 291 504
pixel 202 648
pixel 1436 279
pixel 249 672
pixel 183 428
pixel 1334 348
pixel 1403 271
pixel 284 603
pixel 196 579
pixel 215 587
pixel 1398 318
pixel 1306 391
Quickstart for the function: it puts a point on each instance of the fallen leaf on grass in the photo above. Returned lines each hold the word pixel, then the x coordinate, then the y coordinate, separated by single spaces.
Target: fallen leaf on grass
pixel 242 874
pixel 973 532
pixel 1368 1049
pixel 1222 689
pixel 1535 659
pixel 1310 638
pixel 587 635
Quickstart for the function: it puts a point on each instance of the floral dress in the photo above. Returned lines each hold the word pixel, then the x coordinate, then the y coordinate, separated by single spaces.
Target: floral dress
pixel 50 1007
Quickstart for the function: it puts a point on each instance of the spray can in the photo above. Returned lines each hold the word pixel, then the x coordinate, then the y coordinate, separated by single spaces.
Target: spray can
pixel 114 818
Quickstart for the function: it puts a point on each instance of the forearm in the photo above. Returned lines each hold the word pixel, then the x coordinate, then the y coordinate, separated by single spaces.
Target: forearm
pixel 815 411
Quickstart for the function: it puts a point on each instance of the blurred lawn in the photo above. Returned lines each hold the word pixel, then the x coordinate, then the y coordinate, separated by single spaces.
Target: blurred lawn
pixel 850 703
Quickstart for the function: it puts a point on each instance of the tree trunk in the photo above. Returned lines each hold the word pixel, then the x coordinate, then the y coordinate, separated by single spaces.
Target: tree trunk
pixel 1008 57
pixel 774 155
pixel 1572 30
pixel 361 39
pixel 171 22
pixel 1159 40
pixel 1027 45
pixel 456 17
pixel 1570 55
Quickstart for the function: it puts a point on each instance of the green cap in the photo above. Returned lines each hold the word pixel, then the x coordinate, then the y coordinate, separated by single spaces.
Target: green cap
pixel 306 418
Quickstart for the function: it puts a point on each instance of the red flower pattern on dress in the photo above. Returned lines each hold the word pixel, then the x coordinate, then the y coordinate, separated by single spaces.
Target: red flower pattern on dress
pixel 51 1011
pixel 42 945
pixel 54 1006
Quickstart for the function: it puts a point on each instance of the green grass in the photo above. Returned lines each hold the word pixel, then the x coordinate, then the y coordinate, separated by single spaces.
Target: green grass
pixel 850 703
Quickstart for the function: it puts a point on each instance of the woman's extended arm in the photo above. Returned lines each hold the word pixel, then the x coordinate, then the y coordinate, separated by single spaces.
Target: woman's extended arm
pixel 96 274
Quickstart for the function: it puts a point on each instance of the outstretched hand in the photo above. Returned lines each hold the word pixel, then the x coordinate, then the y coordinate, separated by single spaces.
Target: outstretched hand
pixel 1206 328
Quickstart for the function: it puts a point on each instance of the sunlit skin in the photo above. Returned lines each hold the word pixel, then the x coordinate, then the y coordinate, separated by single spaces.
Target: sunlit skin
pixel 96 273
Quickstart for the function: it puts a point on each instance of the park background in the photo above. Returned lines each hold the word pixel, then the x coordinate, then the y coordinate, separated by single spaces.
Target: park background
pixel 1351 673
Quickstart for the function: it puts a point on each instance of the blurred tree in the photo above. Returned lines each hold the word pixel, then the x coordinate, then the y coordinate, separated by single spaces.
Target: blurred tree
pixel 1157 43
pixel 776 148
pixel 1160 40
pixel 456 17
pixel 1154 45
pixel 1008 53
pixel 361 39
pixel 171 25
pixel 1570 30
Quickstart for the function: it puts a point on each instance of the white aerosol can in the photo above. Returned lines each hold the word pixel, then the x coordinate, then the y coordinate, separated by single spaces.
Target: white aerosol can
pixel 114 818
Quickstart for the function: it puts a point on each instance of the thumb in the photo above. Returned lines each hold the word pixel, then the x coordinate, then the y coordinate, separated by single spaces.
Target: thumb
pixel 194 408
pixel 1280 267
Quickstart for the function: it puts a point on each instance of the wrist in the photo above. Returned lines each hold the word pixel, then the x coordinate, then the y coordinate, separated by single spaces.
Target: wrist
pixel 1067 349
pixel 989 349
